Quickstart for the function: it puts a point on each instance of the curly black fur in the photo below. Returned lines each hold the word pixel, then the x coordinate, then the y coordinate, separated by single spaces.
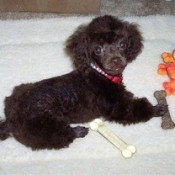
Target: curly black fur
pixel 39 114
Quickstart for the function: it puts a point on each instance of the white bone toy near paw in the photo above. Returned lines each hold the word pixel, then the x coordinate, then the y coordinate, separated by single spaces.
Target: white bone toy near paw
pixel 126 150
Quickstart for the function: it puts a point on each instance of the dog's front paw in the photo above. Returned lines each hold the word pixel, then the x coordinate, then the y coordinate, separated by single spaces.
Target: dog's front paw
pixel 80 131
pixel 160 110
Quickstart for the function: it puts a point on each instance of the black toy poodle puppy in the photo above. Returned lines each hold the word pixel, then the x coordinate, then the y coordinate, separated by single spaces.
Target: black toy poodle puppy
pixel 39 114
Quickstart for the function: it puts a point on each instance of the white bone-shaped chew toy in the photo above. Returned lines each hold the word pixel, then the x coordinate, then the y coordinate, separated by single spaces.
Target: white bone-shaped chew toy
pixel 126 150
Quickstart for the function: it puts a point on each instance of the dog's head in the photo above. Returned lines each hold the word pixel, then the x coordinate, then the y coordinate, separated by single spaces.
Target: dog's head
pixel 107 42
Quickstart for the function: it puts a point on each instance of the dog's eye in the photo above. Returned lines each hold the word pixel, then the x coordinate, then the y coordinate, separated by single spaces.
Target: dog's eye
pixel 98 50
pixel 122 45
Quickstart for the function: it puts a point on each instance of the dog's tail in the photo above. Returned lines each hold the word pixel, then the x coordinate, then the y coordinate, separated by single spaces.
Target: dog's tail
pixel 4 130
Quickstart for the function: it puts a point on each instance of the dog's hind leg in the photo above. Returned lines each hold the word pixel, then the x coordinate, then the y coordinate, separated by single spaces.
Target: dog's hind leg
pixel 47 132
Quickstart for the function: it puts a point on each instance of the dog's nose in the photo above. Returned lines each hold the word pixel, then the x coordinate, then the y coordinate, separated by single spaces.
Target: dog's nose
pixel 118 61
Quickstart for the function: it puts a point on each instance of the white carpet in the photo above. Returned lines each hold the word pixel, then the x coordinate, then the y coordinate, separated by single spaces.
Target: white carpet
pixel 31 50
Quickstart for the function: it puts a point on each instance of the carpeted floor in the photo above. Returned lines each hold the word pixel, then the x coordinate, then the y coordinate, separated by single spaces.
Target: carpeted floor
pixel 112 7
pixel 31 50
pixel 137 7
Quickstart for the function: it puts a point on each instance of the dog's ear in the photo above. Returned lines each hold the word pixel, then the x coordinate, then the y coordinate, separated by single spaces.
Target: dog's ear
pixel 134 42
pixel 77 48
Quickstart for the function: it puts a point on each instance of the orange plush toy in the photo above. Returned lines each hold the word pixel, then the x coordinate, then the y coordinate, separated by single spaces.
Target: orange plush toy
pixel 168 68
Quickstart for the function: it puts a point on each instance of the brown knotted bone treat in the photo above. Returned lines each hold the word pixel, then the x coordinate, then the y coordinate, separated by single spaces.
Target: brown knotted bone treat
pixel 167 122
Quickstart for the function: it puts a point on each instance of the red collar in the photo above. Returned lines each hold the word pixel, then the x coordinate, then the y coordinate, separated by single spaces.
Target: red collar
pixel 114 79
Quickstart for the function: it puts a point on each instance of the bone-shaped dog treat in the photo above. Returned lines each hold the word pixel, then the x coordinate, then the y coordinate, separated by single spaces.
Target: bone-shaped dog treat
pixel 167 122
pixel 126 150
